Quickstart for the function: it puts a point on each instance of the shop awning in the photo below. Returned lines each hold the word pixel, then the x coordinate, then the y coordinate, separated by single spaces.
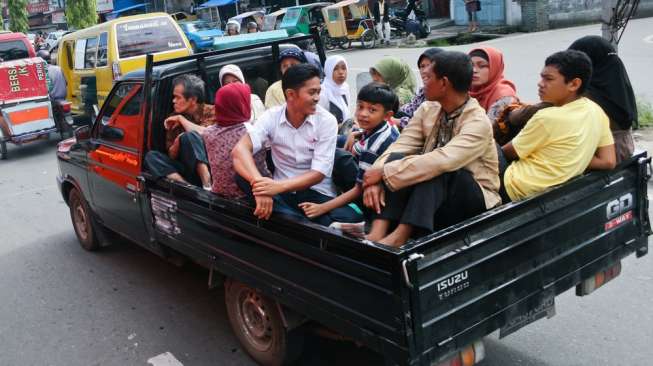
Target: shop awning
pixel 213 3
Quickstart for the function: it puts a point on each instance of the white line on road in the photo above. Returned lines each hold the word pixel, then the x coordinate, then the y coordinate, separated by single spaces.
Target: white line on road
pixel 648 39
pixel 164 359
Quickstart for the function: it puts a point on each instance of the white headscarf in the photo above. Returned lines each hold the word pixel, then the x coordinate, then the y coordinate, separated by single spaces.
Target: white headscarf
pixel 231 70
pixel 332 92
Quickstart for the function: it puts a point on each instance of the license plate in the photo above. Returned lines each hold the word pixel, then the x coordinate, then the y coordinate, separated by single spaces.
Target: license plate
pixel 69 120
pixel 545 307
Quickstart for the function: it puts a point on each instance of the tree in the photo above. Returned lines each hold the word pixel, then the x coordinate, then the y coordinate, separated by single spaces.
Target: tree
pixel 81 13
pixel 18 16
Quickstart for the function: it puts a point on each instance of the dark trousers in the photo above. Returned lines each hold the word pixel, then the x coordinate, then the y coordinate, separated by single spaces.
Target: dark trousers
pixel 435 204
pixel 191 152
pixel 288 204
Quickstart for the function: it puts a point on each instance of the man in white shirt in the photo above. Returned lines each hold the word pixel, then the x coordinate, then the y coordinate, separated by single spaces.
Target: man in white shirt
pixel 302 137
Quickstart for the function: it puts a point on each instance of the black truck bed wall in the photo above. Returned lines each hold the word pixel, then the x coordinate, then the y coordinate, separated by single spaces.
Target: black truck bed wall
pixel 495 266
pixel 474 279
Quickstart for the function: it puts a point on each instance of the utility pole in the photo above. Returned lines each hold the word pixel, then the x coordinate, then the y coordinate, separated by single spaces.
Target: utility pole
pixel 608 30
pixel 614 18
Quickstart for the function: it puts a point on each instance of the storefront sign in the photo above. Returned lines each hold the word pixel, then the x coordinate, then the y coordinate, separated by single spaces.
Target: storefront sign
pixel 38 6
pixel 58 17
pixel 104 6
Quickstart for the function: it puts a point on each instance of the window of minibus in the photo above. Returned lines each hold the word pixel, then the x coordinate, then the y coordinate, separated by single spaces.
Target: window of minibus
pixel 13 50
pixel 90 55
pixel 151 35
pixel 80 52
pixel 102 51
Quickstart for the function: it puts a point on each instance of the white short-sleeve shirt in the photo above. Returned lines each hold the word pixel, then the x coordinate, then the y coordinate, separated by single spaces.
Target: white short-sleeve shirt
pixel 295 151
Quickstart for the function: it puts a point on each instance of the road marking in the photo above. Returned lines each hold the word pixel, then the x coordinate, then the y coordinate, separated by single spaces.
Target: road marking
pixel 164 359
pixel 648 39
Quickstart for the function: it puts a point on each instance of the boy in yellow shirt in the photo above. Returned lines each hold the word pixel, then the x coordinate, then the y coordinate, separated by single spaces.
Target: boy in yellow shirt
pixel 560 142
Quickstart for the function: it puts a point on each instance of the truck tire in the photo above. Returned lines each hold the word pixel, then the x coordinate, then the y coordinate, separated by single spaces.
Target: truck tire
pixel 82 218
pixel 3 150
pixel 257 322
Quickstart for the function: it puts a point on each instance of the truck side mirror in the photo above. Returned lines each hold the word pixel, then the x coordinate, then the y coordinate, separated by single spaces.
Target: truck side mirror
pixel 82 133
pixel 110 133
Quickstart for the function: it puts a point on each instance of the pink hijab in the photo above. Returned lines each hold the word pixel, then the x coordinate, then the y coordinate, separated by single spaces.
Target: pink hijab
pixel 497 87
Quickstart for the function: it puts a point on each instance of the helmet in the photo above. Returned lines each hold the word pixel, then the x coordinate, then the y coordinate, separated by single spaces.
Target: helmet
pixel 44 55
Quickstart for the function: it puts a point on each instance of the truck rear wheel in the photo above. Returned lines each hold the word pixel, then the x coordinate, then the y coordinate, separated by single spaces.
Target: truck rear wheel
pixel 257 322
pixel 82 218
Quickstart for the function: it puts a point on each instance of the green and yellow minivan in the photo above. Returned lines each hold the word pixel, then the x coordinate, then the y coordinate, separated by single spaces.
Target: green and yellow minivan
pixel 93 58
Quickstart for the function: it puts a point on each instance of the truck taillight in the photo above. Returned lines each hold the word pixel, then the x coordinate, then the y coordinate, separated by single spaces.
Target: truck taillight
pixel 66 106
pixel 601 278
pixel 468 356
pixel 116 71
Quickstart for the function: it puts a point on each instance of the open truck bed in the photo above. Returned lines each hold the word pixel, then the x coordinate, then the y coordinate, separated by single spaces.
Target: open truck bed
pixel 416 305
pixel 421 303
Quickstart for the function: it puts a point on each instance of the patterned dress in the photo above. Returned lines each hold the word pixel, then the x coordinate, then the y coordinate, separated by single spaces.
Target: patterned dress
pixel 219 141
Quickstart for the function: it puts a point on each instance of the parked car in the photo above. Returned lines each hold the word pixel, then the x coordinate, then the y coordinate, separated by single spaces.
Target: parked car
pixel 200 33
pixel 52 39
pixel 92 59
pixel 429 302
pixel 182 16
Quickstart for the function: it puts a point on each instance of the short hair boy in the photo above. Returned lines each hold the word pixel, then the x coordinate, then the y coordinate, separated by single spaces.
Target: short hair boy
pixel 375 105
pixel 562 141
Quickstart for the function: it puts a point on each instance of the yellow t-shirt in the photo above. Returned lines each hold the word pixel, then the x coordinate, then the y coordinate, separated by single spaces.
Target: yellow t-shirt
pixel 556 145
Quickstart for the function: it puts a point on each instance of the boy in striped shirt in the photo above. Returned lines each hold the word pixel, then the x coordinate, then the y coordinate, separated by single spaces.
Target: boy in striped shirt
pixel 376 104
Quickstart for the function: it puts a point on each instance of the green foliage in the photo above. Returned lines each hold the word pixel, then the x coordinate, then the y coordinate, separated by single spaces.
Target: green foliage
pixel 644 113
pixel 81 14
pixel 18 16
pixel 439 42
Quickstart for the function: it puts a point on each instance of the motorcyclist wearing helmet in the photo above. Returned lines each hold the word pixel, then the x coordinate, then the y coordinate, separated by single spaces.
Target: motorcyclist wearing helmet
pixel 252 27
pixel 233 28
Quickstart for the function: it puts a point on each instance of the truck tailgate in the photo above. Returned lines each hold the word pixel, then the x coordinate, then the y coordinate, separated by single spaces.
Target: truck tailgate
pixel 507 266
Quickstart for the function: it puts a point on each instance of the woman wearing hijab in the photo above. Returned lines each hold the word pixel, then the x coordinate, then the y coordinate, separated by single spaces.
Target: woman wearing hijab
pixel 492 91
pixel 232 74
pixel 610 88
pixel 407 110
pixel 232 111
pixel 287 58
pixel 335 96
pixel 397 75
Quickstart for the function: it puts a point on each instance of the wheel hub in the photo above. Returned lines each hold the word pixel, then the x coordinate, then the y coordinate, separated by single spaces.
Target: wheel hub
pixel 255 320
pixel 80 221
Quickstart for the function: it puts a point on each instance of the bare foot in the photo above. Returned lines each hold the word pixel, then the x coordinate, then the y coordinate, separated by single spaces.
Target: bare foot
pixel 398 237
pixel 177 178
pixel 379 230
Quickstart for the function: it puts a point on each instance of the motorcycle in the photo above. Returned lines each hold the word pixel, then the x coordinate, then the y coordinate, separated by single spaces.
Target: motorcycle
pixel 400 24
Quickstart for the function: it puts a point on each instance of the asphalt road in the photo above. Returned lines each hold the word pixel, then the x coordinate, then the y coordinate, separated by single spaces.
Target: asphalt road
pixel 62 306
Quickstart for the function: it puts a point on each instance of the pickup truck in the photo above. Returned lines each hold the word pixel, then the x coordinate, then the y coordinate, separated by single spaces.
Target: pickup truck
pixel 429 302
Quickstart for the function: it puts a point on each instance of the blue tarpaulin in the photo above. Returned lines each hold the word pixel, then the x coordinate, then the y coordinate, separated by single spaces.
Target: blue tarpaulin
pixel 212 3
